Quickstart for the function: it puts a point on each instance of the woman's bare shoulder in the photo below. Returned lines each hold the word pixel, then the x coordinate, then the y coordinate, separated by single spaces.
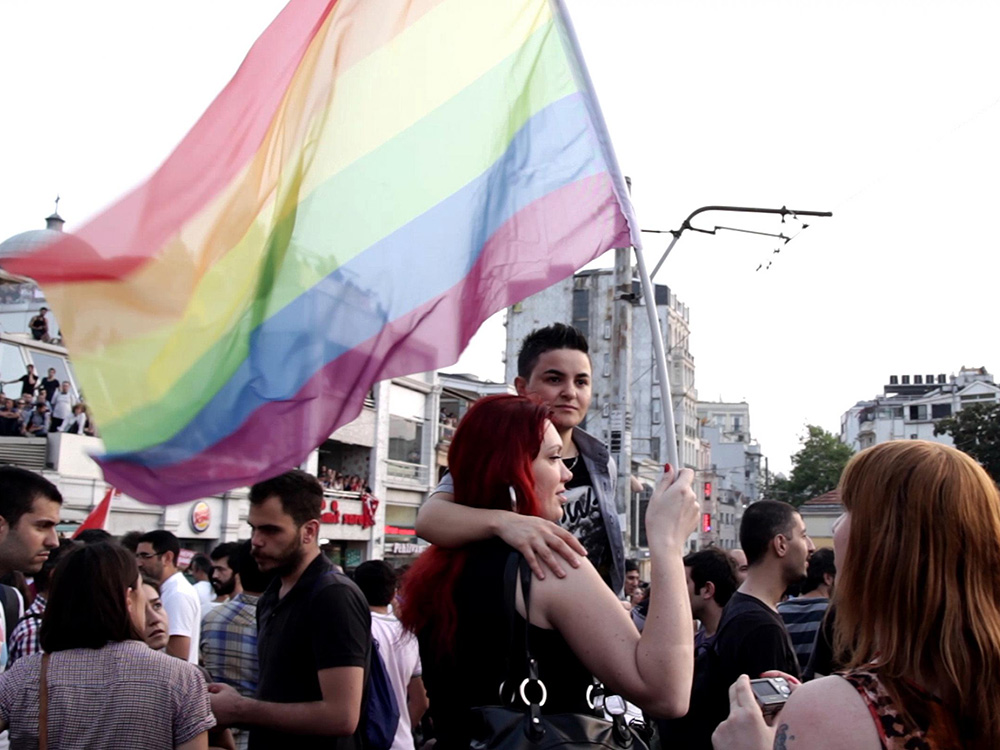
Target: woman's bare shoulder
pixel 826 714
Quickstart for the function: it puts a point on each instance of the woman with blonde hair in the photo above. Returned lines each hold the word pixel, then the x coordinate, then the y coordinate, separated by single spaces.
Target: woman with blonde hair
pixel 918 614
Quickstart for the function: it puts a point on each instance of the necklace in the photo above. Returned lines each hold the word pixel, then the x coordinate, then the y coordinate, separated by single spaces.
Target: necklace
pixel 571 462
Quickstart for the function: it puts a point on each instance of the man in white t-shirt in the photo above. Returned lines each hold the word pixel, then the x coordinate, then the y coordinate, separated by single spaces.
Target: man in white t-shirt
pixel 201 570
pixel 398 648
pixel 157 554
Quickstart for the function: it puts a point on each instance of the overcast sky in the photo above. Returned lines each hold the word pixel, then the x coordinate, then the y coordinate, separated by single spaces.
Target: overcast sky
pixel 886 113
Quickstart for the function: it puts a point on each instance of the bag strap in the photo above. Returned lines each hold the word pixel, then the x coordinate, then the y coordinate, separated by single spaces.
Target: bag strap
pixel 43 705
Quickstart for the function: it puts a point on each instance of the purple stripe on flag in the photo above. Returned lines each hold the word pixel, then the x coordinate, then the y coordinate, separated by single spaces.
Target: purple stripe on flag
pixel 280 434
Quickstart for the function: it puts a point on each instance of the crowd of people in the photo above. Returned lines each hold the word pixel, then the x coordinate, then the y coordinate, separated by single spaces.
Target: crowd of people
pixel 45 405
pixel 525 602
pixel 332 479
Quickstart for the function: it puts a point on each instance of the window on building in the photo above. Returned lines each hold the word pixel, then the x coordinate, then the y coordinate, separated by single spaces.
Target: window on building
pixel 657 411
pixel 897 412
pixel 737 423
pixel 918 412
pixel 940 411
pixel 607 364
pixel 654 448
pixel 12 366
pixel 406 440
pixel 581 311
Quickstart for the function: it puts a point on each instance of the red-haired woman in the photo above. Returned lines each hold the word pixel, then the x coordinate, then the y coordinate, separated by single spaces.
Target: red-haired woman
pixel 505 454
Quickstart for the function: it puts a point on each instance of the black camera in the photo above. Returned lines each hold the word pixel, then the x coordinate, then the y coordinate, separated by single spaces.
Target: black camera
pixel 771 694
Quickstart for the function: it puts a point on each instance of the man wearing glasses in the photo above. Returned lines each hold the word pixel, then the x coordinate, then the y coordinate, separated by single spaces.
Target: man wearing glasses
pixel 157 553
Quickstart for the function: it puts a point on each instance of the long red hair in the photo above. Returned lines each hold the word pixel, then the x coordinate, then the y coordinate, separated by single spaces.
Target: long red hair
pixel 491 452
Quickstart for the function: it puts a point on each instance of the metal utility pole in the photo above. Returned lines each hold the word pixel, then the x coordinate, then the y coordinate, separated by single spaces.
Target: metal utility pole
pixel 620 427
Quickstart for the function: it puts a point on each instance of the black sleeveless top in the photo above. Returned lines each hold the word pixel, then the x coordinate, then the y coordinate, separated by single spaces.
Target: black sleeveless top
pixel 471 675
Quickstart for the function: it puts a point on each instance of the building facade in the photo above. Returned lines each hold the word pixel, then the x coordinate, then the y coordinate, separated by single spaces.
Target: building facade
pixel 911 405
pixel 734 471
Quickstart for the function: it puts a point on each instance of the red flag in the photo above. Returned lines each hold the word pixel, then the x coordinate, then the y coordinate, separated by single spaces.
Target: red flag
pixel 98 516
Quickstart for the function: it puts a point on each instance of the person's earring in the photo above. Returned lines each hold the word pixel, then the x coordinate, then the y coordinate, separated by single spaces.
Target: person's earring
pixel 513 497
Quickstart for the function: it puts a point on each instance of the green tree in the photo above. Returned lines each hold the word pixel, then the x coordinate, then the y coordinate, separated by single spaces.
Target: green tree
pixel 976 430
pixel 816 468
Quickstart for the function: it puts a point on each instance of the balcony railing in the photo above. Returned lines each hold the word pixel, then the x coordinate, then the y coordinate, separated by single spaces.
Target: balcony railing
pixel 406 472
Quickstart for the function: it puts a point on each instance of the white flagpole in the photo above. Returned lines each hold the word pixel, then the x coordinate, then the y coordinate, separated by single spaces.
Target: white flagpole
pixel 669 431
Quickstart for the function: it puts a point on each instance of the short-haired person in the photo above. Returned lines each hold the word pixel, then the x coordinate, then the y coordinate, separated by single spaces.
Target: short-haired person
pixel 553 366
pixel 314 630
pixel 804 613
pixel 106 687
pixel 739 558
pixel 29 511
pixel 918 614
pixel 225 580
pixel 157 553
pixel 711 581
pixel 751 638
pixel 398 648
pixel 229 631
pixel 200 569
pixel 23 639
pixel 633 582
pixel 506 453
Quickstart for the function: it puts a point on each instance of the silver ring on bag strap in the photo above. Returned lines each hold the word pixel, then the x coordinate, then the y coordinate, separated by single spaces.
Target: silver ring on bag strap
pixel 524 696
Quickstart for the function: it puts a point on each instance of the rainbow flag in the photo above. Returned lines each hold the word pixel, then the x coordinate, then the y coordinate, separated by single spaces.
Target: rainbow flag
pixel 375 181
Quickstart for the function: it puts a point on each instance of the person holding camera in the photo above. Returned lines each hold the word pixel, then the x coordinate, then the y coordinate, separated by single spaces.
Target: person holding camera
pixel 918 614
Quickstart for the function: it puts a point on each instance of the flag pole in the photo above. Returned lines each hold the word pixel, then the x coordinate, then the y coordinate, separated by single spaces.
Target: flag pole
pixel 669 431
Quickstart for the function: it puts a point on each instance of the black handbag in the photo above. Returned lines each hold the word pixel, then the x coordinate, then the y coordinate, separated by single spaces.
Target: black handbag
pixel 511 726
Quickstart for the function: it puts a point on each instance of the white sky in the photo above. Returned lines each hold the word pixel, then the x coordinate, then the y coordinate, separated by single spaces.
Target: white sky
pixel 886 113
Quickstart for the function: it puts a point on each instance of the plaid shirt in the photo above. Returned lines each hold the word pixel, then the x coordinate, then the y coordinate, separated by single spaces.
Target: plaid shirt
pixel 229 643
pixel 24 638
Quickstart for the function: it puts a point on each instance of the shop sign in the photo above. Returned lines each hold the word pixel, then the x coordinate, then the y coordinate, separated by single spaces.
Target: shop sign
pixel 399 531
pixel 201 516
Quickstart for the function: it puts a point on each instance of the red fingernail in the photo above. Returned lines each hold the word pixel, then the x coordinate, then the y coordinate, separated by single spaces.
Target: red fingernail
pixel 666 468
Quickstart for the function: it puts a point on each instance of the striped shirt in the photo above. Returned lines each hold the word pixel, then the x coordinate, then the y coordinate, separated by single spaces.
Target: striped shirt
pixel 24 639
pixel 802 617
pixel 229 643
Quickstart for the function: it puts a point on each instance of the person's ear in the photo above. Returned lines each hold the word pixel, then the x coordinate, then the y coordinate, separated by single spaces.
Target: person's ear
pixel 520 385
pixel 310 531
pixel 708 591
pixel 780 545
pixel 828 579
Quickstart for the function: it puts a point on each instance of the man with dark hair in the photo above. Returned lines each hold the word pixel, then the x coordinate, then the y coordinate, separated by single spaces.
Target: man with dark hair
pixel 751 638
pixel 50 384
pixel 93 536
pixel 29 511
pixel 229 631
pixel 632 581
pixel 803 614
pixel 398 648
pixel 225 581
pixel 157 553
pixel 200 570
pixel 554 367
pixel 314 630
pixel 711 579
pixel 130 540
pixel 24 638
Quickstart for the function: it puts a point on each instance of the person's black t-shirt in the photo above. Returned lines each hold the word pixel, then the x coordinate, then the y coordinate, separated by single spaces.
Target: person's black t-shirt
pixel 751 639
pixel 323 622
pixel 582 517
pixel 50 386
